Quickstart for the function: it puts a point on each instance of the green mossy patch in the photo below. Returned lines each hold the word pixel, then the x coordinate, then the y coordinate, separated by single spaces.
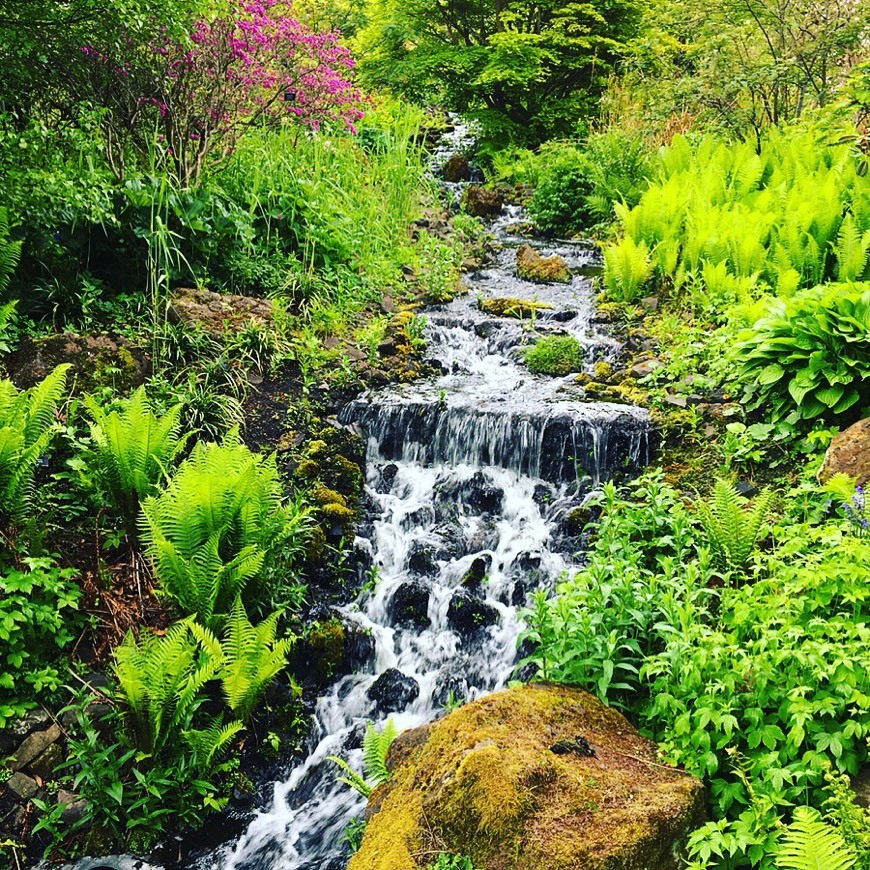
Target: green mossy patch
pixel 531 266
pixel 510 306
pixel 485 783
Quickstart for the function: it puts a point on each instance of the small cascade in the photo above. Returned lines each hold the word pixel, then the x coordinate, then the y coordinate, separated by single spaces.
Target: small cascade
pixel 472 476
pixel 473 480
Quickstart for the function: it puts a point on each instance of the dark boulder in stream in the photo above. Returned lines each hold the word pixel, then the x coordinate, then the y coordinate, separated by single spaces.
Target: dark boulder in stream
pixel 537 777
pixel 410 605
pixel 467 615
pixel 393 691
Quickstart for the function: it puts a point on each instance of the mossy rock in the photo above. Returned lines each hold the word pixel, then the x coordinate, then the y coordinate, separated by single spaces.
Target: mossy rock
pixel 531 266
pixel 510 306
pixel 320 654
pixel 488 780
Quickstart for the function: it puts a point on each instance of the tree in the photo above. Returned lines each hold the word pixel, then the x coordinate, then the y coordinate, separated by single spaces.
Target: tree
pixel 528 69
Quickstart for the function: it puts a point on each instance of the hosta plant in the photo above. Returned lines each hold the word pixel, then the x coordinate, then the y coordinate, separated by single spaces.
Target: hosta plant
pixel 810 358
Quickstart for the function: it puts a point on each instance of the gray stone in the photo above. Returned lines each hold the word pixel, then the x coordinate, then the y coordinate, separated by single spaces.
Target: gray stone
pixel 644 368
pixel 34 746
pixel 45 765
pixel 74 806
pixel 676 401
pixel 22 787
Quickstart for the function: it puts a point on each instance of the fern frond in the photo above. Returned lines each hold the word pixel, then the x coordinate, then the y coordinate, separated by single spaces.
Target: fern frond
pixel 810 844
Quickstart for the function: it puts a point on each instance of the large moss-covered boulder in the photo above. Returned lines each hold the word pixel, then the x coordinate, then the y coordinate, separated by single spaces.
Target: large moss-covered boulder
pixel 217 313
pixel 533 778
pixel 849 453
pixel 531 266
pixel 482 201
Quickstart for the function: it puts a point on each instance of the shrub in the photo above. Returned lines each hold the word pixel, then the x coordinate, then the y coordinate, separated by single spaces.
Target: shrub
pixel 134 449
pixel 810 357
pixel 559 204
pixel 554 355
pixel 38 605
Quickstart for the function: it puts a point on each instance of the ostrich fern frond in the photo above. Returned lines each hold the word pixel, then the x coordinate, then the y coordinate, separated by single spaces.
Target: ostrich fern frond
pixel 376 745
pixel 810 844
pixel 732 525
pixel 10 252
pixel 133 450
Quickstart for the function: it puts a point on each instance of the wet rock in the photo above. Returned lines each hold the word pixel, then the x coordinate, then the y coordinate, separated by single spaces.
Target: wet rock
pixel 482 202
pixel 45 765
pixel 511 306
pixel 387 477
pixel 74 806
pixel 33 746
pixel 321 655
pixel 359 648
pixel 457 169
pixel 650 303
pixel 531 266
pixel 410 605
pixel 482 496
pixel 422 559
pixel 676 401
pixel 216 313
pixel 97 361
pixel 451 691
pixel 22 787
pixel 393 691
pixel 476 574
pixel 491 760
pixel 849 453
pixel 467 615
pixel 543 494
pixel 563 316
pixel 746 489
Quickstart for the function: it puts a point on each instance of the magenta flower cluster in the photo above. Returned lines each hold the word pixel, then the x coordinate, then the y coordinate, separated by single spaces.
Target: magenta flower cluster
pixel 257 63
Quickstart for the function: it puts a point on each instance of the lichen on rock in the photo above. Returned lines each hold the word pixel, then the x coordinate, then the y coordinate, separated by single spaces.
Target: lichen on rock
pixel 485 781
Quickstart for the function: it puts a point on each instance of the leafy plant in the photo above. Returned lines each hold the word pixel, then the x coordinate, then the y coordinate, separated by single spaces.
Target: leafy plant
pixel 809 843
pixel 450 861
pixel 134 449
pixel 38 619
pixel 209 531
pixel 10 252
pixel 27 426
pixel 627 267
pixel 248 657
pixel 810 357
pixel 554 355
pixel 376 745
pixel 732 526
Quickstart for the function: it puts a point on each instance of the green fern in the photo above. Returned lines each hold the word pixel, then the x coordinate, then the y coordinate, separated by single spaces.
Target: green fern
pixel 627 267
pixel 376 745
pixel 249 657
pixel 27 427
pixel 133 450
pixel 161 680
pixel 10 252
pixel 809 843
pixel 208 532
pixel 732 526
pixel 852 250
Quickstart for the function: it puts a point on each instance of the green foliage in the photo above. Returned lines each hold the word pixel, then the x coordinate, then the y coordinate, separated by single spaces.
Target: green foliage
pixel 732 526
pixel 10 252
pixel 627 268
pixel 161 680
pixel 576 187
pixel 376 745
pixel 38 619
pixel 134 449
pixel 810 357
pixel 27 427
pixel 526 71
pixel 771 674
pixel 248 656
pixel 554 355
pixel 810 844
pixel 449 861
pixel 214 530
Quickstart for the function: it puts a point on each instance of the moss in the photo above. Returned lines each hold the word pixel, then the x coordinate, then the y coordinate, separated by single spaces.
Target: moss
pixel 603 371
pixel 487 782
pixel 556 355
pixel 308 469
pixel 321 654
pixel 325 497
pixel 113 368
pixel 316 543
pixel 338 514
pixel 531 266
pixel 510 306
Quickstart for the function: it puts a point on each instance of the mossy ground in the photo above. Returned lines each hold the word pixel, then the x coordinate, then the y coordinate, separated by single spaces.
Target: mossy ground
pixel 485 783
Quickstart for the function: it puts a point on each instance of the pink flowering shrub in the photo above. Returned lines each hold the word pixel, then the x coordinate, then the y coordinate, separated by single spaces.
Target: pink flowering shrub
pixel 198 96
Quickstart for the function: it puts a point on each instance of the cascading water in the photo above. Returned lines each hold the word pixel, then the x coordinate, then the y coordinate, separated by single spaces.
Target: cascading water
pixel 470 477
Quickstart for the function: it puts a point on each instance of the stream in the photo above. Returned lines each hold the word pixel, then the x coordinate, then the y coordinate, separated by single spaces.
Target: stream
pixel 471 476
